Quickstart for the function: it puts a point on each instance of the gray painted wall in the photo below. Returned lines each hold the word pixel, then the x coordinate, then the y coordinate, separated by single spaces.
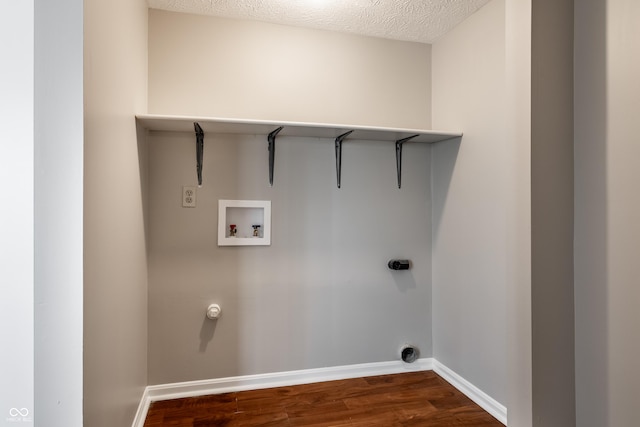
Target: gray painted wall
pixel 472 198
pixel 207 66
pixel 58 298
pixel 41 245
pixel 17 214
pixel 607 201
pixel 321 295
pixel 115 264
pixel 552 214
pixel 517 125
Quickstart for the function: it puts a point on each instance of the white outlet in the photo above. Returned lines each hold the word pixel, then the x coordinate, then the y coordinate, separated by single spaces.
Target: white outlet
pixel 188 197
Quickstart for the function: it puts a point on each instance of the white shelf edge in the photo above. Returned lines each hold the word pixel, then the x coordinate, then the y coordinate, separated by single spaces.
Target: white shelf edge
pixel 157 122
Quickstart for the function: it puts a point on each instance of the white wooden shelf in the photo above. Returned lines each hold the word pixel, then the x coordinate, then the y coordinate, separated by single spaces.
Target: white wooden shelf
pixel 296 129
pixel 292 129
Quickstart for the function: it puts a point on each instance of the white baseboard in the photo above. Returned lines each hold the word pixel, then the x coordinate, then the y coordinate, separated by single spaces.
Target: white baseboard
pixel 307 376
pixel 143 409
pixel 281 379
pixel 483 400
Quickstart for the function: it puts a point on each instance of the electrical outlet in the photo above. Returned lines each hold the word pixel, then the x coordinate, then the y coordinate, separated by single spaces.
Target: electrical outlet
pixel 188 197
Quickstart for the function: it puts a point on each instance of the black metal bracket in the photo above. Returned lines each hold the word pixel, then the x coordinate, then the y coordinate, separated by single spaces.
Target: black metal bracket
pixel 339 140
pixel 199 150
pixel 399 156
pixel 272 152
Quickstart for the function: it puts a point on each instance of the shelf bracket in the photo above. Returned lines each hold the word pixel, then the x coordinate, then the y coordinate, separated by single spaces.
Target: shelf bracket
pixel 199 151
pixel 399 156
pixel 272 152
pixel 339 140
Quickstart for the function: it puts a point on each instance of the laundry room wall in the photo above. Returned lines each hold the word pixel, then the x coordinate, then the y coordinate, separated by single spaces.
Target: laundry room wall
pixel 208 66
pixel 115 260
pixel 474 191
pixel 321 295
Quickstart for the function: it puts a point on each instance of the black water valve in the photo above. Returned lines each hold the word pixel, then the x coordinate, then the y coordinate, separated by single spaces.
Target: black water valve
pixel 399 264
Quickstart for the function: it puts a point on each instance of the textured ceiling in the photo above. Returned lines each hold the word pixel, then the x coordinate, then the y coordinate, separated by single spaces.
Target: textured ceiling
pixel 409 20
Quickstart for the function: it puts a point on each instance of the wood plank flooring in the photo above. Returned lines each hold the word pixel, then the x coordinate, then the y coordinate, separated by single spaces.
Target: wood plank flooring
pixel 411 399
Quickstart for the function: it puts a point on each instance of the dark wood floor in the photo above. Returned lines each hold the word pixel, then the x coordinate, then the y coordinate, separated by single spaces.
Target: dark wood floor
pixel 411 399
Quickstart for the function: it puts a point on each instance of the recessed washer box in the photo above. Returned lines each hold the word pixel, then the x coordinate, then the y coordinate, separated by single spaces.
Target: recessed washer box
pixel 251 220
